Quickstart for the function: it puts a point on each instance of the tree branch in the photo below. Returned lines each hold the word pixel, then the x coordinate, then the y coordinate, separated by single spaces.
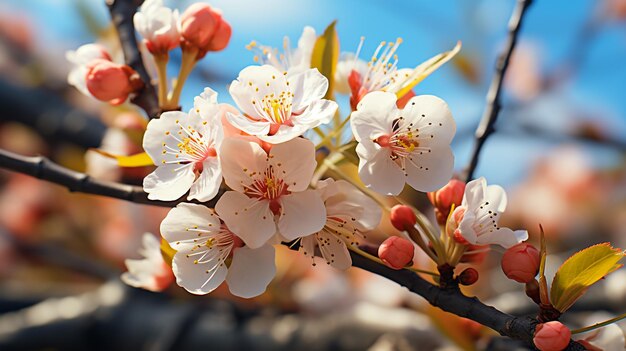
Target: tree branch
pixel 42 168
pixel 122 12
pixel 450 300
pixel 488 120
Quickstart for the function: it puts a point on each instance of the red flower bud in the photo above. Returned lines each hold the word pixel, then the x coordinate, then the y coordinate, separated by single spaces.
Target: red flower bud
pixel 521 262
pixel 108 81
pixel 468 277
pixel 402 217
pixel 444 198
pixel 396 252
pixel 552 336
pixel 203 28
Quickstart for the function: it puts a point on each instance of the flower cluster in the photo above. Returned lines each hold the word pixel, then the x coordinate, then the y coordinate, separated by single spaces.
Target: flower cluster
pixel 273 168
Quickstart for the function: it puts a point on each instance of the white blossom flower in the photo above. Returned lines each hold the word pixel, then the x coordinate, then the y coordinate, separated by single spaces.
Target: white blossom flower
pixel 278 108
pixel 480 211
pixel 152 272
pixel 411 145
pixel 349 214
pixel 208 253
pixel 185 148
pixel 381 73
pixel 79 60
pixel 158 26
pixel 270 191
pixel 291 60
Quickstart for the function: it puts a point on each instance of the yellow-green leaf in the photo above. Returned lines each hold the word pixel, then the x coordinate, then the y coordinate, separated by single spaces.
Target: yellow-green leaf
pixel 137 160
pixel 167 252
pixel 582 270
pixel 326 55
pixel 426 68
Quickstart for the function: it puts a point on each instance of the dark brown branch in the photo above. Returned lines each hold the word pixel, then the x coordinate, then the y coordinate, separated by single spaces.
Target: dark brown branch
pixel 488 120
pixel 450 300
pixel 42 168
pixel 122 12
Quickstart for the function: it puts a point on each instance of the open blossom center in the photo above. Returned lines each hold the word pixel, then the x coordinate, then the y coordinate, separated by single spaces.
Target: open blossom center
pixel 268 187
pixel 275 109
pixel 216 246
pixel 402 141
pixel 192 147
pixel 381 69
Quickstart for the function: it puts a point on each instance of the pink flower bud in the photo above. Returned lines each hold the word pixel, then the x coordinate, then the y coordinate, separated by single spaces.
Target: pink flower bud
pixel 108 81
pixel 552 336
pixel 402 217
pixel 396 252
pixel 203 28
pixel 468 277
pixel 521 262
pixel 444 198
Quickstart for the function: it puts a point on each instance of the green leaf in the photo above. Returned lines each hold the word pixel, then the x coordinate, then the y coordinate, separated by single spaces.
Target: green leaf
pixel 582 270
pixel 326 55
pixel 137 160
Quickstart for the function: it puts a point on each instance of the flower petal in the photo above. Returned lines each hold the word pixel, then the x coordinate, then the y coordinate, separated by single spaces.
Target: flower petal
pixel 302 214
pixel 432 116
pixel 198 278
pixel 241 160
pixel 294 162
pixel 250 219
pixel 307 86
pixel 334 250
pixel 374 115
pixel 318 112
pixel 208 183
pixel 350 202
pixel 247 125
pixel 251 271
pixel 379 172
pixel 169 182
pixel 504 237
pixel 182 224
pixel 431 170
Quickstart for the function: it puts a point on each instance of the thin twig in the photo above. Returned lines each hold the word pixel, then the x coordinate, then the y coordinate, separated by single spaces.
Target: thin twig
pixel 42 168
pixel 451 300
pixel 486 126
pixel 122 12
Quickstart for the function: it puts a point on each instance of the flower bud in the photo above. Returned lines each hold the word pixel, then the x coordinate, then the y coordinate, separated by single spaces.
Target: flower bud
pixel 444 198
pixel 396 252
pixel 468 277
pixel 203 28
pixel 402 217
pixel 108 81
pixel 552 336
pixel 521 262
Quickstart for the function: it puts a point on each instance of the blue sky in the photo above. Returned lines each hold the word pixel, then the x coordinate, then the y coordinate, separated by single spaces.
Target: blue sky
pixel 427 28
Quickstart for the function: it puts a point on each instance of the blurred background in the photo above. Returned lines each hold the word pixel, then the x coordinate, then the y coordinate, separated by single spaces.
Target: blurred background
pixel 558 150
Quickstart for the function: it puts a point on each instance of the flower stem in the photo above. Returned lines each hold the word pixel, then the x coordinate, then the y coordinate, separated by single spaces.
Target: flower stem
pixel 161 64
pixel 599 325
pixel 186 66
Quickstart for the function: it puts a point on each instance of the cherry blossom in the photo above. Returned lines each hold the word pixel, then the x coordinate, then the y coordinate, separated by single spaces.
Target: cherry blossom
pixel 410 145
pixel 152 272
pixel 79 59
pixel 185 149
pixel 270 191
pixel 158 25
pixel 381 73
pixel 480 211
pixel 277 108
pixel 208 253
pixel 291 60
pixel 349 214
